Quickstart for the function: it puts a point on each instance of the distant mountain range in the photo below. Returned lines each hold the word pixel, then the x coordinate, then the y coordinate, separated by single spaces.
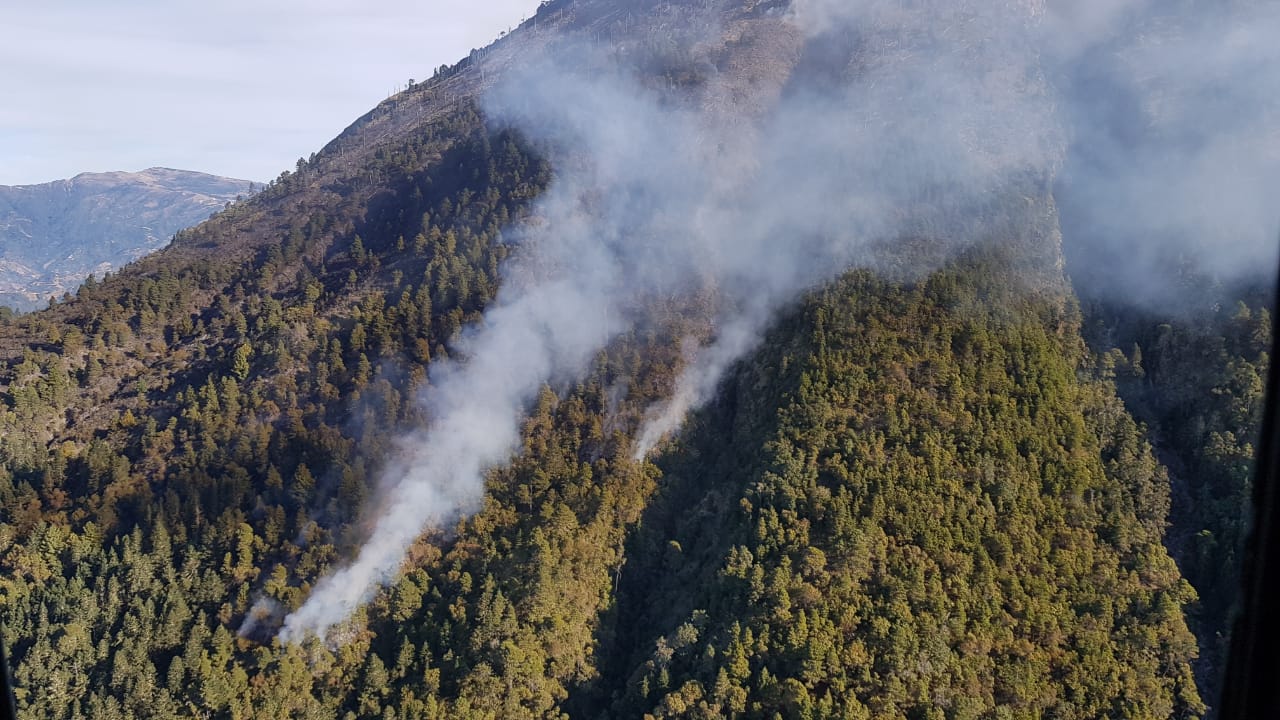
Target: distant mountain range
pixel 55 234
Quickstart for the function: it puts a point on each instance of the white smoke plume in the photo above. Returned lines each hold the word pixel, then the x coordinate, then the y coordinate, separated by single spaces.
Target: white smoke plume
pixel 897 119
pixel 698 382
pixel 1175 112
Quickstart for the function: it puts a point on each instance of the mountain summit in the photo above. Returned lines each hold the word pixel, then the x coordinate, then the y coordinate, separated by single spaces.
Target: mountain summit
pixel 54 234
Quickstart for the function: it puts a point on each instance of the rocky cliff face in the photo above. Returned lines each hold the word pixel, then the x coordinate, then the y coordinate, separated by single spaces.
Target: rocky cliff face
pixel 55 234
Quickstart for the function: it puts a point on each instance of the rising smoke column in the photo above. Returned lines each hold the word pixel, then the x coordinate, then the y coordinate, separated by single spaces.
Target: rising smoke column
pixel 562 300
pixel 899 120
pixel 476 408
pixel 957 117
pixel 1170 122
pixel 641 208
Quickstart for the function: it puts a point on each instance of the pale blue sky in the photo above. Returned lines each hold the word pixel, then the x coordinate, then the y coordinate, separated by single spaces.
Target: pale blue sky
pixel 234 87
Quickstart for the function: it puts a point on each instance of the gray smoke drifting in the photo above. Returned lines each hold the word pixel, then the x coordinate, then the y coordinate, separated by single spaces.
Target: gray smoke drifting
pixel 1174 109
pixel 531 333
pixel 698 382
pixel 890 120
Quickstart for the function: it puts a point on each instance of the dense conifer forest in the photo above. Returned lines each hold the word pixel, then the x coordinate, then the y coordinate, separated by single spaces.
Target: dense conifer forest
pixel 943 494
pixel 1196 377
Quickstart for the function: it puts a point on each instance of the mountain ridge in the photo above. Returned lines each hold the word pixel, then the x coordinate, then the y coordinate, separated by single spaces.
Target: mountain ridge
pixel 54 234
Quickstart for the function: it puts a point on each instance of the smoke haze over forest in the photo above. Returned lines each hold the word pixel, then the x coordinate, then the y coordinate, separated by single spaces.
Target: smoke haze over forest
pixel 1153 125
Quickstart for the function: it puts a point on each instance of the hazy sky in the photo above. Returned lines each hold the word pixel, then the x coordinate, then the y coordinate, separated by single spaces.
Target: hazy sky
pixel 233 87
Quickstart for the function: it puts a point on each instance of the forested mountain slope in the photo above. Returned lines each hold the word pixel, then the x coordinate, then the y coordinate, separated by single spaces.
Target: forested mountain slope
pixel 918 497
pixel 1195 374
pixel 929 504
pixel 915 499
